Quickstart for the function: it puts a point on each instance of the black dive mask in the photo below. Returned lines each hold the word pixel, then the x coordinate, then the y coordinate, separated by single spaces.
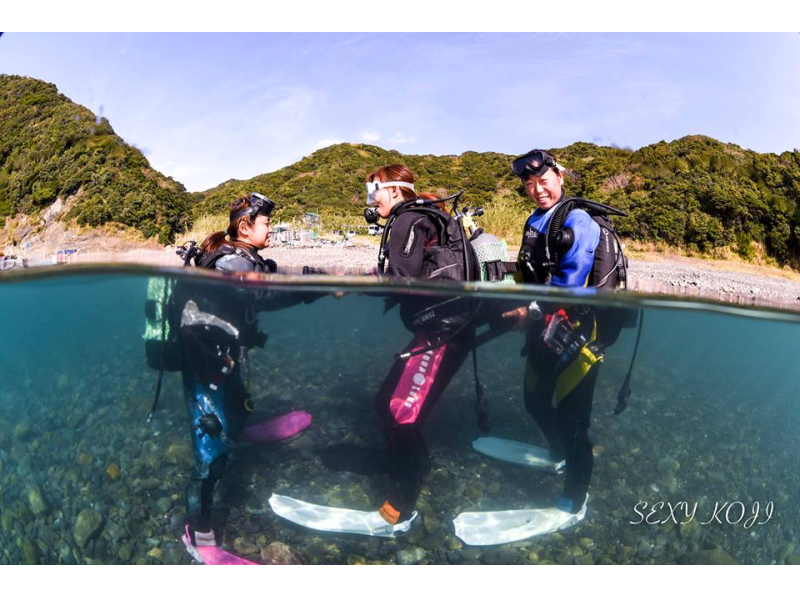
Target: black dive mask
pixel 534 163
pixel 258 205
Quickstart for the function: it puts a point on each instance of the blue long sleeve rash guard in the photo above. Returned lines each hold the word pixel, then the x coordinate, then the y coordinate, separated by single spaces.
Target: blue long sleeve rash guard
pixel 576 264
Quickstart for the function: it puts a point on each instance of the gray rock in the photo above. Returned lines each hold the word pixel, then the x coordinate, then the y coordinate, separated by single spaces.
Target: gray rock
pixel 470 554
pixel 644 549
pixel 501 556
pixel 411 556
pixel 116 532
pixel 163 505
pixel 87 525
pixel 36 501
pixel 716 556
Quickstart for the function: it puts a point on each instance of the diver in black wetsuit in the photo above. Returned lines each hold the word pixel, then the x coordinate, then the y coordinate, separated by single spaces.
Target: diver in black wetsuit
pixel 218 325
pixel 413 385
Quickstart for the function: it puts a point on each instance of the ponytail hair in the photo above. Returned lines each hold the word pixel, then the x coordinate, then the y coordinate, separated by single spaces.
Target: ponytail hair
pixel 216 240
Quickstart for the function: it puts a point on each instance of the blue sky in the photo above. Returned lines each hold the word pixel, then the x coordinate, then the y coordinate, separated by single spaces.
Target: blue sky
pixel 205 108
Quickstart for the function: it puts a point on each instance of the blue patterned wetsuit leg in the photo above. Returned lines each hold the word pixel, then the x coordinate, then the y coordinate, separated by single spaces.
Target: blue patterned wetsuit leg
pixel 210 454
pixel 203 400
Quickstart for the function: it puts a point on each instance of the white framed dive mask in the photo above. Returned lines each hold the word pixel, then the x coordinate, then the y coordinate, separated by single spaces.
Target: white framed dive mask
pixel 375 185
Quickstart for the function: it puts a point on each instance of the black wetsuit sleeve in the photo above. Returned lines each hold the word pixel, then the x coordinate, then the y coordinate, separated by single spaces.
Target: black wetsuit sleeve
pixel 411 234
pixel 262 299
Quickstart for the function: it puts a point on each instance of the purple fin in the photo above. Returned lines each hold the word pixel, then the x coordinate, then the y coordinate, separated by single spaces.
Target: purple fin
pixel 278 428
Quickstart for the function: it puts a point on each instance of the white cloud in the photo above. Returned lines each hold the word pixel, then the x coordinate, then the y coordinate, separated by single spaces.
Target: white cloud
pixel 370 137
pixel 326 142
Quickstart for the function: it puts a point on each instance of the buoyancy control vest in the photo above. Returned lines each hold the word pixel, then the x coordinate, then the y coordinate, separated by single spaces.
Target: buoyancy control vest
pixel 163 310
pixel 447 257
pixel 191 252
pixel 451 257
pixel 541 251
pixel 162 313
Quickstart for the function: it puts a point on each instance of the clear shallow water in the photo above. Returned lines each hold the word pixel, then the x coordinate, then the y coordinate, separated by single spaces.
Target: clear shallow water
pixel 712 420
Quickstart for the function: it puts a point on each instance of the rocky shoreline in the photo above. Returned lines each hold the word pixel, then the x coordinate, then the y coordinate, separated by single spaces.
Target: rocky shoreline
pixel 660 275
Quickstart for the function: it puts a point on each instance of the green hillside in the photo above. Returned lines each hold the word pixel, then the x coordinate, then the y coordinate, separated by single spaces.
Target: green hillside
pixel 51 147
pixel 695 192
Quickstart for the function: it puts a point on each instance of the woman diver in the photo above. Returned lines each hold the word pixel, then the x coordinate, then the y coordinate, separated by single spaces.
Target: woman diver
pixel 442 330
pixel 218 325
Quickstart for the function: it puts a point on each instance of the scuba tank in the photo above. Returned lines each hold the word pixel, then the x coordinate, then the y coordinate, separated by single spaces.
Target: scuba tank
pixel 160 339
pixel 490 252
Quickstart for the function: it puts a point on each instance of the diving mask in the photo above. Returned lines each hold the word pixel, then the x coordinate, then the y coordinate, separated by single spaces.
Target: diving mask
pixel 373 186
pixel 534 163
pixel 257 205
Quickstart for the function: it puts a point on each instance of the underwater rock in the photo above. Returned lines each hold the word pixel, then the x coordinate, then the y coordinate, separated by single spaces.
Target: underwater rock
pixel 148 484
pixel 6 432
pixel 113 471
pixel 278 553
pixel 690 530
pixel 87 525
pixel 7 520
pixel 564 558
pixel 155 553
pixel 1 466
pixel 163 505
pixel 411 556
pixel 116 532
pixel 668 465
pixel 501 556
pixel 125 554
pixel 471 553
pixel 793 559
pixel 31 555
pixel 440 483
pixel 670 484
pixel 179 453
pixel 785 551
pixel 244 546
pixel 716 556
pixel 36 500
pixel 433 540
pixel 23 431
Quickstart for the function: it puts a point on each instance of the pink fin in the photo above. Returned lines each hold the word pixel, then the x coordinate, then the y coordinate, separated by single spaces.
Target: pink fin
pixel 278 428
pixel 213 555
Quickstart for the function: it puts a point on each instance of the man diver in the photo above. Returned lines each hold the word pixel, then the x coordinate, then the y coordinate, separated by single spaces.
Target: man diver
pixel 563 348
pixel 557 394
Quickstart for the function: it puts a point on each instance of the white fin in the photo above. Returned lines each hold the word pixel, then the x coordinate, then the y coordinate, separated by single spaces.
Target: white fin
pixel 520 453
pixel 333 519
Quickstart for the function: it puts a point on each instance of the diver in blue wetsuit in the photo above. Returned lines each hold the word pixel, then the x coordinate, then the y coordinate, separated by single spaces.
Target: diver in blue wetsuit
pixel 563 346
